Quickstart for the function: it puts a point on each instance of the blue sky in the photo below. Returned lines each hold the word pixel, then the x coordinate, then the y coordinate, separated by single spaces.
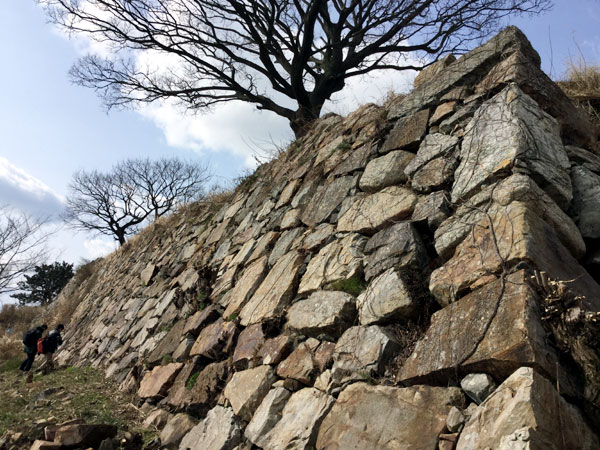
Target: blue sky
pixel 49 127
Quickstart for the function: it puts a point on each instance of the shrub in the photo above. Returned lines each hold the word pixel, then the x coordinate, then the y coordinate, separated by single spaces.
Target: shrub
pixel 582 85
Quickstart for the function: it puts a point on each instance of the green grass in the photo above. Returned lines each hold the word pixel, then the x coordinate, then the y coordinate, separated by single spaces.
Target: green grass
pixel 11 365
pixel 353 286
pixel 191 382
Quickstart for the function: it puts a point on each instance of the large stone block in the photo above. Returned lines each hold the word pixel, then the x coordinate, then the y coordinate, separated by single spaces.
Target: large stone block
pixel 267 415
pixel 246 390
pixel 327 199
pixel 324 312
pixel 300 419
pixel 526 412
pixel 156 383
pixel 220 430
pixel 387 170
pixel 510 133
pixel 386 298
pixel 246 286
pixel 387 418
pixel 216 340
pixel 275 292
pixel 407 132
pixel 371 213
pixel 494 330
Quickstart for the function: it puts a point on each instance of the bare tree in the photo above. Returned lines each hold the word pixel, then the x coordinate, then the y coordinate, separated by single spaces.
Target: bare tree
pixel 275 54
pixel 22 247
pixel 119 202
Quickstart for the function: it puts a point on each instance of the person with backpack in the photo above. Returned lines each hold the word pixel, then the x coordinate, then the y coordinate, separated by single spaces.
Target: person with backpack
pixel 30 340
pixel 48 346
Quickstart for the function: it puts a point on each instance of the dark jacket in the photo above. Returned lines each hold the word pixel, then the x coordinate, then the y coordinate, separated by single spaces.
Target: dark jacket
pixel 36 334
pixel 53 340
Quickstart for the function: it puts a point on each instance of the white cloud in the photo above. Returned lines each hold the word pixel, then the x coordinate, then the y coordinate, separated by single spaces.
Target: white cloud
pixel 97 248
pixel 23 191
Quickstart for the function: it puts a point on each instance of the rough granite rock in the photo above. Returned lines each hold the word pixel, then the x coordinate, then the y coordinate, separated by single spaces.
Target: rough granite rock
pixel 478 386
pixel 300 419
pixel 339 260
pixel 326 199
pixel 324 312
pixel 216 340
pixel 510 133
pixel 275 292
pixel 434 146
pixel 387 170
pixel 526 412
pixel 176 428
pixel 387 418
pixel 369 214
pixel 246 286
pixel 249 343
pixel 267 415
pixel 387 298
pixel 159 380
pixel 586 201
pixel 247 388
pixel 434 208
pixel 301 364
pixel 220 430
pixel 407 132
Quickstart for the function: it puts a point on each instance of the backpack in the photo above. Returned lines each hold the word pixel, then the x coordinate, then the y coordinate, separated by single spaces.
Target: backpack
pixel 29 337
pixel 40 345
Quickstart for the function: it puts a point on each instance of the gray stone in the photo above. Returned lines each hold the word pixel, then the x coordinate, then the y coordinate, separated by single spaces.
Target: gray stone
pixel 275 292
pixel 284 244
pixel 455 420
pixel 511 133
pixel 434 70
pixel 433 146
pixel 434 208
pixel 300 419
pixel 436 174
pixel 407 132
pixel 387 298
pixel 246 390
pixel 526 412
pixel 220 430
pixel 371 213
pixel 385 417
pixel 176 428
pixel 586 201
pixel 339 260
pixel 267 415
pixel 363 349
pixel 324 312
pixel 246 286
pixel 387 170
pixel 326 200
pixel 478 386
pixel 397 246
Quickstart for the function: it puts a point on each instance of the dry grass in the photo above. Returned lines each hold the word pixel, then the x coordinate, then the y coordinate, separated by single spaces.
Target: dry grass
pixel 582 85
pixel 14 322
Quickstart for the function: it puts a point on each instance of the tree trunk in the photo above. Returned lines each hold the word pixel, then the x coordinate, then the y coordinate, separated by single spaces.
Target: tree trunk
pixel 120 234
pixel 303 118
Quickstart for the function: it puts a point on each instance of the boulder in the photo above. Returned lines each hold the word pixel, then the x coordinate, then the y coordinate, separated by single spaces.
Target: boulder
pixel 407 132
pixel 168 344
pixel 385 417
pixel 371 213
pixel 455 420
pixel 39 444
pixel 249 343
pixel 148 273
pixel 586 201
pixel 436 174
pixel 387 298
pixel 216 340
pixel 246 390
pixel 364 350
pixel 337 261
pixel 495 330
pixel 220 430
pixel 84 435
pixel 301 365
pixel 443 111
pixel 246 286
pixel 275 292
pixel 526 412
pixel 397 246
pixel 174 431
pixel 327 199
pixel 159 380
pixel 275 349
pixel 324 312
pixel 267 415
pixel 300 419
pixel 510 133
pixel 387 170
pixel 156 419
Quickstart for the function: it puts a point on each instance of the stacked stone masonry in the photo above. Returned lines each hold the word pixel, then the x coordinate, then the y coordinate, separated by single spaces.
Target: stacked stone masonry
pixel 339 296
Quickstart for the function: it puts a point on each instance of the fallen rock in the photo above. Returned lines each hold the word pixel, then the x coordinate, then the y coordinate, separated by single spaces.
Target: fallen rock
pixel 246 390
pixel 478 386
pixel 324 312
pixel 371 213
pixel 455 420
pixel 84 435
pixel 384 417
pixel 159 380
pixel 220 430
pixel 387 298
pixel 267 415
pixel 526 412
pixel 275 292
pixel 300 419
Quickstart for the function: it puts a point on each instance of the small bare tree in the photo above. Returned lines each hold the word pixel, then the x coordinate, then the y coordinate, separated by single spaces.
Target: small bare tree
pixel 119 202
pixel 285 56
pixel 22 246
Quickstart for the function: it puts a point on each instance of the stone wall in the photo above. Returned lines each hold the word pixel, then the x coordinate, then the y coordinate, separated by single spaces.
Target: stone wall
pixel 393 277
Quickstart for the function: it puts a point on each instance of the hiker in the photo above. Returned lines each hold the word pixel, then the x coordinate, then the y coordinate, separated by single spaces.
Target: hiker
pixel 49 346
pixel 30 340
